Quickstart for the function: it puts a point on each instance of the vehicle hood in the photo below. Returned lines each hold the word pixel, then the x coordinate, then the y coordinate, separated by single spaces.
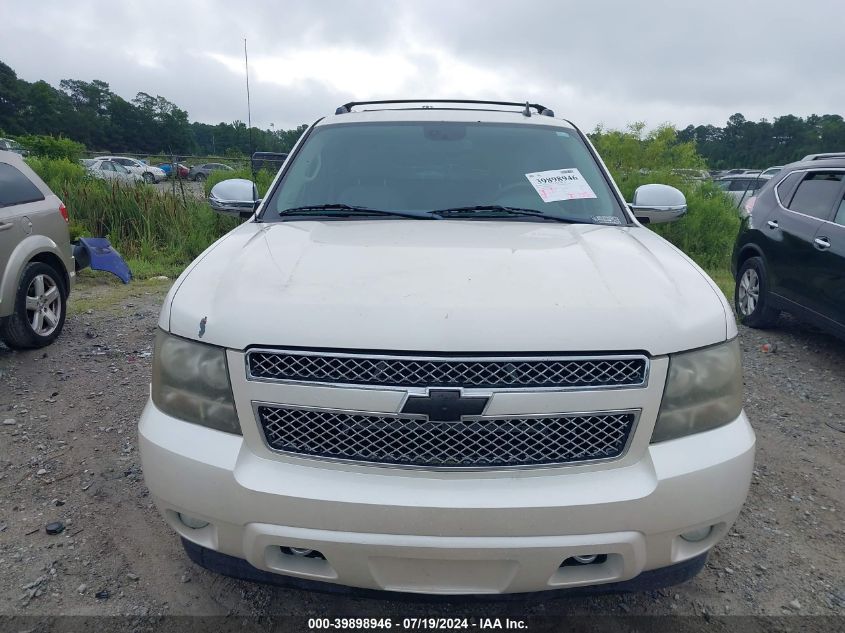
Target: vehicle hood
pixel 474 286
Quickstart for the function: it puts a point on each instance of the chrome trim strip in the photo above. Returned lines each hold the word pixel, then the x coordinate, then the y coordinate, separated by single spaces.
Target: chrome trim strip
pixel 423 390
pixel 469 418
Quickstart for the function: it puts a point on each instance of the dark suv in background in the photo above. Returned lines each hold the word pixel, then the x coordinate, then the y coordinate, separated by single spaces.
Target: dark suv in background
pixel 268 160
pixel 790 252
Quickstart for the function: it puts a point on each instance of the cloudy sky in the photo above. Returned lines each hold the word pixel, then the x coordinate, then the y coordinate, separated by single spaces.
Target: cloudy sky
pixel 605 62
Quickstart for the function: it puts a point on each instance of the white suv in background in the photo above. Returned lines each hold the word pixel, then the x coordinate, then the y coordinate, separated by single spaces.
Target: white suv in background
pixel 149 173
pixel 445 356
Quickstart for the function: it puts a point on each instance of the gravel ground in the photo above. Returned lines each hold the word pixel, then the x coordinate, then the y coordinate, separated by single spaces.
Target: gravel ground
pixel 68 452
pixel 193 189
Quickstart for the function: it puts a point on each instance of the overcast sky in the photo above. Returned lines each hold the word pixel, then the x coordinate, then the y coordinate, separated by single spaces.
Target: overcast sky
pixel 595 61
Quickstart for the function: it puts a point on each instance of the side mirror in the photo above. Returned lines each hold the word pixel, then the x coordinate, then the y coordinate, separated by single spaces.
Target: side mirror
pixel 236 196
pixel 653 204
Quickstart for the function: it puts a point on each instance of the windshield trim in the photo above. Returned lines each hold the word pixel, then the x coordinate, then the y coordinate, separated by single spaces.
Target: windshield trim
pixel 277 181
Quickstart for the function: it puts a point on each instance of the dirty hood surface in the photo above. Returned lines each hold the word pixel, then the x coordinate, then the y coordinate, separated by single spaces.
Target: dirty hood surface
pixel 474 286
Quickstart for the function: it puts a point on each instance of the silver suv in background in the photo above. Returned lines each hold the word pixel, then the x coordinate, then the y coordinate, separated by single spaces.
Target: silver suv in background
pixel 36 257
pixel 9 145
pixel 742 187
pixel 200 173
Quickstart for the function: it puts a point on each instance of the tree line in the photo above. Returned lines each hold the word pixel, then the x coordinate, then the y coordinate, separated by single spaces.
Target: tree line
pixel 91 114
pixel 761 144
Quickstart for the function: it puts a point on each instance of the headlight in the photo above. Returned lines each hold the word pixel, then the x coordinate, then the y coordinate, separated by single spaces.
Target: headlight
pixel 703 391
pixel 191 382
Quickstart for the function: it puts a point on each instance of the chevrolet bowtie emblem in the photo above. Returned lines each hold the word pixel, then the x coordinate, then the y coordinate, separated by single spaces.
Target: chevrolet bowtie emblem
pixel 445 405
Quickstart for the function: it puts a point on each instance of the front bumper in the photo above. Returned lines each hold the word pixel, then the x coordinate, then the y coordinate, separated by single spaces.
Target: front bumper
pixel 447 533
pixel 241 569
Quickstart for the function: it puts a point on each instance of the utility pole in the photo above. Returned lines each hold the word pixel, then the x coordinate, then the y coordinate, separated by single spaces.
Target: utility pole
pixel 249 112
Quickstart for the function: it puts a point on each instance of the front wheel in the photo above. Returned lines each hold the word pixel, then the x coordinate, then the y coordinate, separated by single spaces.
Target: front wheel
pixel 751 295
pixel 40 306
pixel 148 178
pixel 199 177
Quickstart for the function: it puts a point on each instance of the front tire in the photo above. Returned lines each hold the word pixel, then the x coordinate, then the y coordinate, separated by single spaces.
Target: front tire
pixel 148 178
pixel 40 308
pixel 751 296
pixel 199 178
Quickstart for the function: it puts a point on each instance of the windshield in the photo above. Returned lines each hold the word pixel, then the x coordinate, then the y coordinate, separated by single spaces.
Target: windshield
pixel 435 166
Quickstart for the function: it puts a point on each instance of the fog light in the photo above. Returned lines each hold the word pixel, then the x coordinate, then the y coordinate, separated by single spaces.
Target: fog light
pixel 191 522
pixel 699 534
pixel 586 560
pixel 300 551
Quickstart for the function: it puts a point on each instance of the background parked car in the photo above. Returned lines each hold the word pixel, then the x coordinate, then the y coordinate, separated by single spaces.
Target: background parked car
pixel 9 145
pixel 790 252
pixel 149 173
pixel 111 170
pixel 734 172
pixel 741 187
pixel 693 175
pixel 36 257
pixel 201 172
pixel 771 171
pixel 268 160
pixel 181 170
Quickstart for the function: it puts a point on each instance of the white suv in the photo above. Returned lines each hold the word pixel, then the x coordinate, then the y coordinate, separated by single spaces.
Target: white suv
pixel 444 356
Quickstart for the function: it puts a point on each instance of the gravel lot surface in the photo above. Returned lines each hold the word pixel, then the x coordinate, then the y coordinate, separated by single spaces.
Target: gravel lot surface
pixel 68 452
pixel 191 188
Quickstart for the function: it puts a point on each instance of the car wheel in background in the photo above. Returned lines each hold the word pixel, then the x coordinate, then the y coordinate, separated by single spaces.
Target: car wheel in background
pixel 199 177
pixel 40 307
pixel 751 295
pixel 148 178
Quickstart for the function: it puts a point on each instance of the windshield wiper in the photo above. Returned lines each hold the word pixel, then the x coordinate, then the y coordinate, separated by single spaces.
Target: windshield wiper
pixel 345 210
pixel 497 208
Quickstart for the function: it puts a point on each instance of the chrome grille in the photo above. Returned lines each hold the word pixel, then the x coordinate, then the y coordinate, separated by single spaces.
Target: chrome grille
pixel 398 371
pixel 473 442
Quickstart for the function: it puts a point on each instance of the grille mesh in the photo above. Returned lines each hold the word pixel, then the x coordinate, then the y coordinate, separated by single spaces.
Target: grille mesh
pixel 472 442
pixel 427 372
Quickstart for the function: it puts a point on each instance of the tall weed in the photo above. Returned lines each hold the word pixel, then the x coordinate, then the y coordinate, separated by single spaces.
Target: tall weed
pixel 636 157
pixel 156 228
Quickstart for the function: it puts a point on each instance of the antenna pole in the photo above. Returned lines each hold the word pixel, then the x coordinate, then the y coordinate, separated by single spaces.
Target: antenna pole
pixel 248 111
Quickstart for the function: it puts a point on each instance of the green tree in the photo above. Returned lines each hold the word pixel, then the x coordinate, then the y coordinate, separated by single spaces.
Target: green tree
pixel 11 100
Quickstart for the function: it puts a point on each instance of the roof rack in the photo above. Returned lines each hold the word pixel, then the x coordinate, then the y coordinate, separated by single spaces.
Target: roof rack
pixel 825 156
pixel 543 110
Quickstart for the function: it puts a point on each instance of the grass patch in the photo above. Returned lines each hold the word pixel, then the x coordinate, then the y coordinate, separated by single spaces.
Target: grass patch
pixel 145 269
pixel 724 279
pixel 102 292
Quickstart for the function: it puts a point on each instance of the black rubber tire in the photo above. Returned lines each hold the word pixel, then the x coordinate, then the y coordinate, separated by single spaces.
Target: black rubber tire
pixel 763 315
pixel 199 178
pixel 148 178
pixel 15 329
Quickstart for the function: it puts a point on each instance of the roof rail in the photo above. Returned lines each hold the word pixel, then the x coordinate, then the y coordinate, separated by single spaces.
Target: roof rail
pixel 347 107
pixel 825 156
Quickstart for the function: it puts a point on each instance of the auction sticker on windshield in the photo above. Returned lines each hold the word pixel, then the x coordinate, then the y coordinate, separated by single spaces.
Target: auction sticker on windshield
pixel 560 184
